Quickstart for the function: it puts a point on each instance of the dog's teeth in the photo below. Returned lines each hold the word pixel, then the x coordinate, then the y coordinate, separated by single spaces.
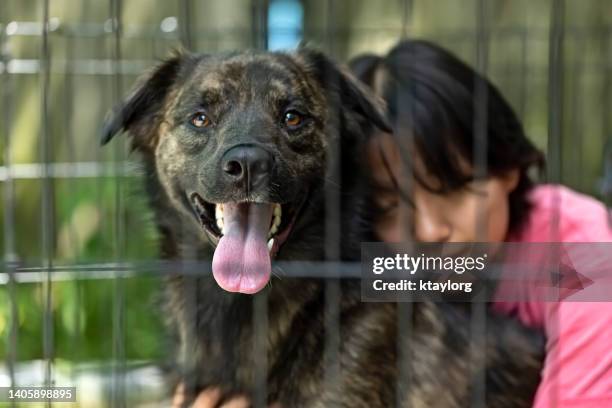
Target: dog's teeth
pixel 219 217
pixel 276 222
pixel 277 217
pixel 274 229
pixel 220 224
pixel 219 211
pixel 270 244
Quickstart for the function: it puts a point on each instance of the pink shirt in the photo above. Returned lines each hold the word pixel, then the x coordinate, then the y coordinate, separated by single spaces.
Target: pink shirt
pixel 578 367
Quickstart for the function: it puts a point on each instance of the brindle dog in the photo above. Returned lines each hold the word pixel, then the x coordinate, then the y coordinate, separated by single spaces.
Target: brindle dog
pixel 236 148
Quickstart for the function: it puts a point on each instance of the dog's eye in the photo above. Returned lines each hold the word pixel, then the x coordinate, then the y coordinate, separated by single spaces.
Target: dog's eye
pixel 200 120
pixel 293 119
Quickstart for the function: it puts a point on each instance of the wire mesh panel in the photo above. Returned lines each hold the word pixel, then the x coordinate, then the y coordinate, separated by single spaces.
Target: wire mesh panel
pixel 81 275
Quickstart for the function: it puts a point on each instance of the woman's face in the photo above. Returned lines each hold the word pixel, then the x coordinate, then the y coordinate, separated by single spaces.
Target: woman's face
pixel 477 213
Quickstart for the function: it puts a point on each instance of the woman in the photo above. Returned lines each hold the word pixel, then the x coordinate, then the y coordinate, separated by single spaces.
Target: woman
pixel 432 187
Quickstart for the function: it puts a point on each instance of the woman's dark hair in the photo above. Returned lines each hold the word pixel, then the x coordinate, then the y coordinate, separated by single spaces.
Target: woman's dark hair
pixel 433 98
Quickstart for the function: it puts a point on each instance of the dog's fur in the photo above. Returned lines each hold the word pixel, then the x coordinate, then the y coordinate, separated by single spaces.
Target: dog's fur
pixel 246 94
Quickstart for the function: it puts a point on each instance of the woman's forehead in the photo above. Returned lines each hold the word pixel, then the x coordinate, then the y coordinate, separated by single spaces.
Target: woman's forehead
pixel 400 165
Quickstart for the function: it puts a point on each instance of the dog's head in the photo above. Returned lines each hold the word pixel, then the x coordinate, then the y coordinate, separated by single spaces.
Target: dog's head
pixel 238 142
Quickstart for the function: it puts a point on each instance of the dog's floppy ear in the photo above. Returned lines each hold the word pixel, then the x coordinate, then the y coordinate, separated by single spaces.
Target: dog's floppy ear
pixel 139 113
pixel 351 93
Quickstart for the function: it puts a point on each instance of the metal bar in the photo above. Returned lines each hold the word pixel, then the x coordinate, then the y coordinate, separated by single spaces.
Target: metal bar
pixel 480 165
pixel 68 94
pixel 260 302
pixel 186 24
pixel 78 67
pixel 146 31
pixel 605 186
pixel 35 171
pixel 259 25
pixel 186 256
pixel 166 30
pixel 9 187
pixel 524 69
pixel 555 128
pixel 406 17
pixel 577 126
pixel 282 269
pixel 331 353
pixel 87 30
pixel 47 215
pixel 480 119
pixel 137 66
pixel 118 392
pixel 260 350
pixel 10 253
pixel 405 326
pixel 555 91
pixel 405 311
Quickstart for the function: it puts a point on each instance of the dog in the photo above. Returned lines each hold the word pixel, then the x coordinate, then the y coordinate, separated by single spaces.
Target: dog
pixel 240 150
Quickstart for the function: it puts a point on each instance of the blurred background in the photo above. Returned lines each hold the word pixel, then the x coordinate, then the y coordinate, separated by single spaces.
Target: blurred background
pixel 77 295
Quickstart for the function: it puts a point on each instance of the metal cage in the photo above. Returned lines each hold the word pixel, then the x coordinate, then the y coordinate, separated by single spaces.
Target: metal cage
pixel 78 273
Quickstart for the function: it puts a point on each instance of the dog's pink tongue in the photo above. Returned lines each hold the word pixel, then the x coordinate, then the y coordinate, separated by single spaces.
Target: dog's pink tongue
pixel 242 261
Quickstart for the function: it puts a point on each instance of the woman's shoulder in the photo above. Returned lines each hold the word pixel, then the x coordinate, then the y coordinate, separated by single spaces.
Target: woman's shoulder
pixel 578 366
pixel 560 214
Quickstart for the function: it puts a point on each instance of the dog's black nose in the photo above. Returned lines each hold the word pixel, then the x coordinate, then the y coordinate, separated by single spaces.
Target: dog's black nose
pixel 248 166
